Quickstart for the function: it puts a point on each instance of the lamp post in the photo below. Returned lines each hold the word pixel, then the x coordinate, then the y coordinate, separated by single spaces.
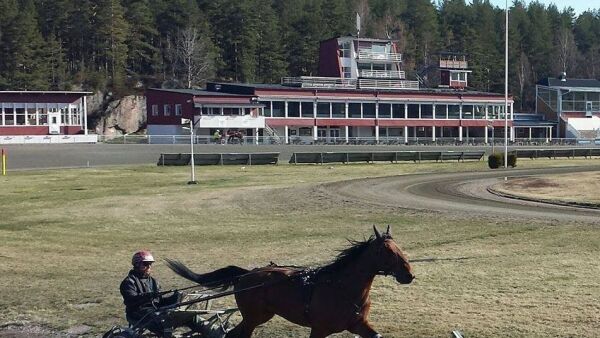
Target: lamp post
pixel 490 125
pixel 192 167
pixel 506 87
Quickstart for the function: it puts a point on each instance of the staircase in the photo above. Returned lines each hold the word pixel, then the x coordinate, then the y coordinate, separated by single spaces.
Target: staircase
pixel 272 134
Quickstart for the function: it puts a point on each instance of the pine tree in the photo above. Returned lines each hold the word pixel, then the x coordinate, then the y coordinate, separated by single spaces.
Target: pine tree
pixel 8 11
pixel 485 58
pixel 423 27
pixel 143 39
pixel 271 65
pixel 25 62
pixel 58 78
pixel 112 32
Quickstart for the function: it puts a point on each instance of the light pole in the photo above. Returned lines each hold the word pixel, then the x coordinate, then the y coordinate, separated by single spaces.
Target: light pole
pixel 506 88
pixel 491 126
pixel 193 169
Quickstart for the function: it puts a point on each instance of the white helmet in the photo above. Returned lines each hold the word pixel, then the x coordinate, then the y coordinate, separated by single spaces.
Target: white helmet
pixel 141 256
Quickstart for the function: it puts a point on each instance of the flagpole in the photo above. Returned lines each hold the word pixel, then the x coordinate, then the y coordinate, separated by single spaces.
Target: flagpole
pixel 506 88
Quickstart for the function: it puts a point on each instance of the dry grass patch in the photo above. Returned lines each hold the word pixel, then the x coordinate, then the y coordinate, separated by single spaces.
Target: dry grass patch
pixel 564 188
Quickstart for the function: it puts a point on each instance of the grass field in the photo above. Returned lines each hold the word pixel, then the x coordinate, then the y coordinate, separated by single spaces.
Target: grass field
pixel 67 238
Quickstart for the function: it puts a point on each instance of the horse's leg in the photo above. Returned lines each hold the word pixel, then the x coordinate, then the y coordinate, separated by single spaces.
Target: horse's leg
pixel 249 322
pixel 364 330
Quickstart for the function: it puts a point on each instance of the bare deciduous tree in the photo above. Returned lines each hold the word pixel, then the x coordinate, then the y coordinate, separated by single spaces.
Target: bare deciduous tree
pixel 523 76
pixel 567 50
pixel 192 57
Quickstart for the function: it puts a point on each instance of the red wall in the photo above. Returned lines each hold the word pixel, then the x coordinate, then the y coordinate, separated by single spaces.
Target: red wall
pixel 37 130
pixel 162 97
pixel 329 61
pixel 24 130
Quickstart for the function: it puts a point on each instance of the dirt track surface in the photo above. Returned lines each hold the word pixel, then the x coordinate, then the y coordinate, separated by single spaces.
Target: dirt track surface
pixel 461 193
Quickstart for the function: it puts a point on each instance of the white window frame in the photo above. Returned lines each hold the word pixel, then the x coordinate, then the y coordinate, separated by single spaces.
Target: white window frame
pixel 178 110
pixel 167 110
pixel 154 110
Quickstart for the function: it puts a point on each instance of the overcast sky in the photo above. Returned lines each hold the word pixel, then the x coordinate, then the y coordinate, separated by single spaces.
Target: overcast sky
pixel 578 5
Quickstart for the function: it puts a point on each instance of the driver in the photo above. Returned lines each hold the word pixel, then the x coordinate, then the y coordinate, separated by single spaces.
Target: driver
pixel 141 295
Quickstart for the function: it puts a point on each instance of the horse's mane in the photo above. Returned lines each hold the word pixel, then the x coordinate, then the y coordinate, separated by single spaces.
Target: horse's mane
pixel 348 255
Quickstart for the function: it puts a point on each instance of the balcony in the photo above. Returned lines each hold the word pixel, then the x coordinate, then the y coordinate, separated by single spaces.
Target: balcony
pixel 365 54
pixel 230 121
pixel 387 84
pixel 382 74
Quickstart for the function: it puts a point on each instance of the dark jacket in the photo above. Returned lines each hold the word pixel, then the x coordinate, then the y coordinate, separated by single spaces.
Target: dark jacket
pixel 139 292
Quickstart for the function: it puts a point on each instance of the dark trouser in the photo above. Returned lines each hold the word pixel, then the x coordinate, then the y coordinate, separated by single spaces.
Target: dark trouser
pixel 150 318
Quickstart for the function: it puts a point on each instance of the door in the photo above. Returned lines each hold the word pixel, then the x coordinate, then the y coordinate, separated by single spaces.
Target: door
pixel 588 109
pixel 54 122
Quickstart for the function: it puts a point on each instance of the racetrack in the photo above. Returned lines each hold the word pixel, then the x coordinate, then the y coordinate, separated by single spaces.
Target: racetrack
pixel 474 238
pixel 461 193
pixel 47 156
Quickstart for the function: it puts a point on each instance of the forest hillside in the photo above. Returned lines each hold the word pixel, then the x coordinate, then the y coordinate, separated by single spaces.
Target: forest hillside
pixel 125 46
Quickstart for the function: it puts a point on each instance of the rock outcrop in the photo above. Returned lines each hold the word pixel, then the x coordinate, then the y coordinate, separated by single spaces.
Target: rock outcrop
pixel 124 116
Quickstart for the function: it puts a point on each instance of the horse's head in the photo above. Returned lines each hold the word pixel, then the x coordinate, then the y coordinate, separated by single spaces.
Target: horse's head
pixel 389 259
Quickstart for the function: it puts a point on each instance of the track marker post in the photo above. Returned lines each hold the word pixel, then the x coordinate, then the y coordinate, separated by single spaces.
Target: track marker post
pixel 3 162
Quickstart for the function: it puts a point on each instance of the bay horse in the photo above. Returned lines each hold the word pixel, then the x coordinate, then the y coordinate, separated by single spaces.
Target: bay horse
pixel 328 299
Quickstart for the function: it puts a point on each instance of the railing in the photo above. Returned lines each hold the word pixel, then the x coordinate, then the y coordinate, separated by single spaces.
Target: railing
pixel 453 64
pixel 365 54
pixel 318 82
pixel 383 140
pixel 273 134
pixel 387 84
pixel 383 74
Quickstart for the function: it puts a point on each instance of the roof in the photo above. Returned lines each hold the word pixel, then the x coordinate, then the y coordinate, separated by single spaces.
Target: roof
pixel 43 92
pixel 196 92
pixel 352 37
pixel 252 86
pixel 571 83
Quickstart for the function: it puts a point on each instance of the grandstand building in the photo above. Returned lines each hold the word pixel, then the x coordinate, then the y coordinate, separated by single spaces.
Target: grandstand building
pixel 43 117
pixel 573 104
pixel 362 95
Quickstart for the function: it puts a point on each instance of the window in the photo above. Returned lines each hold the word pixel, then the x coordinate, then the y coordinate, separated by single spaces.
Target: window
pixel 305 131
pixel 346 72
pixel 278 109
pixel 177 110
pixel 354 110
pixel 167 110
pixel 467 111
pixel 398 111
pixel 427 111
pixel 345 50
pixel 307 109
pixel 479 111
pixel 338 109
pixel 20 116
pixel 453 111
pixel 293 109
pixel 323 109
pixel 267 110
pixel 334 132
pixel 154 110
pixel 385 110
pixel 369 110
pixel 413 111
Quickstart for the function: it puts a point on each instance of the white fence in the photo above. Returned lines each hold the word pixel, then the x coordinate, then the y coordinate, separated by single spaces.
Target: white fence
pixel 48 139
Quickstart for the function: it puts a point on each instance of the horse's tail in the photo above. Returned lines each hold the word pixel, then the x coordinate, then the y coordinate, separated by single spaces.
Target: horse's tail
pixel 223 277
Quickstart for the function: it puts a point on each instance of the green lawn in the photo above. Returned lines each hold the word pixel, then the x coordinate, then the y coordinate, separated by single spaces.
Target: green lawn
pixel 67 238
